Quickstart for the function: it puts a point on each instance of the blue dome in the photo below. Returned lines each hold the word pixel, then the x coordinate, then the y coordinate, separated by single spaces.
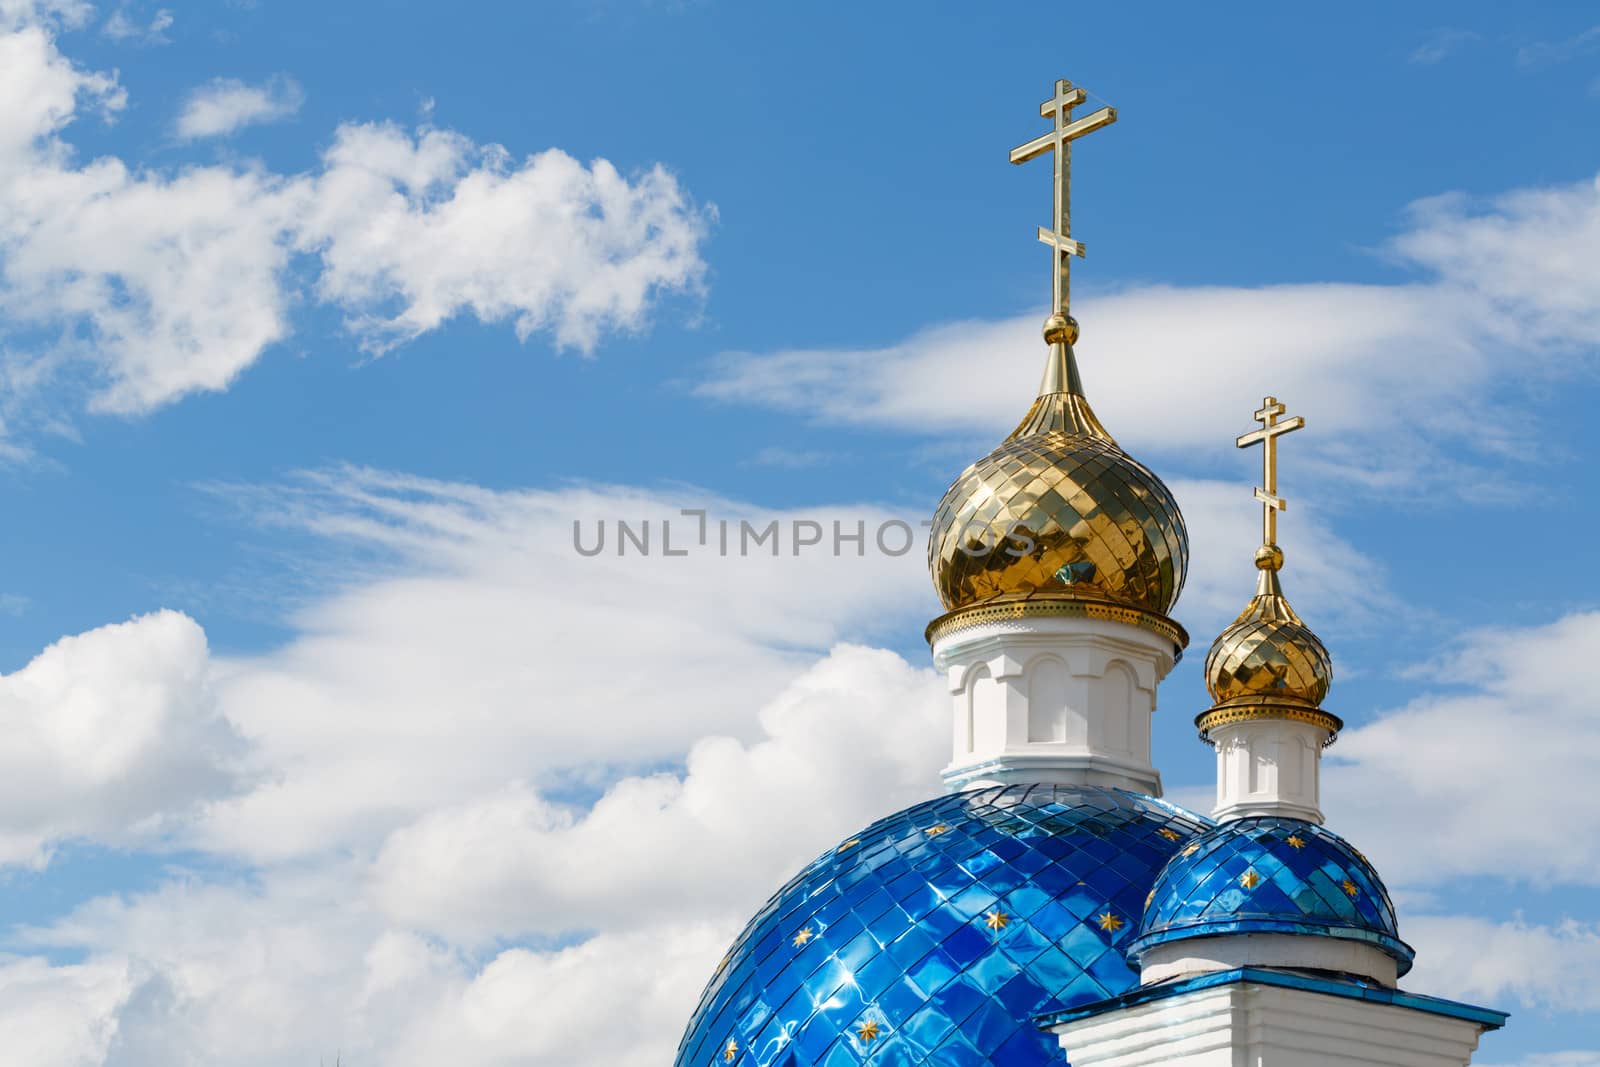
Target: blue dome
pixel 937 935
pixel 1270 875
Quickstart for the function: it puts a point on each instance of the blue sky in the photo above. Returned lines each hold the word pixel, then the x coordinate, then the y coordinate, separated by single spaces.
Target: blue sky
pixel 321 325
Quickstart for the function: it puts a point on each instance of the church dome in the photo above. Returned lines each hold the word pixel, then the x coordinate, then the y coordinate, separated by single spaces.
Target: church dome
pixel 1268 664
pixel 1268 652
pixel 1059 511
pixel 938 934
pixel 1269 874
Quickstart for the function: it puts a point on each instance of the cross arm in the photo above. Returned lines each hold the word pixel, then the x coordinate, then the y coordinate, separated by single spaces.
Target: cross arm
pixel 1071 132
pixel 1070 99
pixel 1065 244
pixel 1267 433
pixel 1091 122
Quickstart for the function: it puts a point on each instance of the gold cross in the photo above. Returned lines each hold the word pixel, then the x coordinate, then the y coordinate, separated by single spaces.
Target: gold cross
pixel 1059 141
pixel 1271 430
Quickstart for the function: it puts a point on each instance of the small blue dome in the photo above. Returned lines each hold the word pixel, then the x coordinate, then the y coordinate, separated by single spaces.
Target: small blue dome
pixel 1270 875
pixel 937 935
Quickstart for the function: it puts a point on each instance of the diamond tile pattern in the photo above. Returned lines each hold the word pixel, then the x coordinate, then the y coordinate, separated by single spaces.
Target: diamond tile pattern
pixel 897 927
pixel 1046 511
pixel 1268 651
pixel 1250 875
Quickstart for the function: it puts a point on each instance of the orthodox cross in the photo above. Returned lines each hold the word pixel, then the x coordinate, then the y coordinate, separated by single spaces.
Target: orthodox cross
pixel 1059 141
pixel 1271 430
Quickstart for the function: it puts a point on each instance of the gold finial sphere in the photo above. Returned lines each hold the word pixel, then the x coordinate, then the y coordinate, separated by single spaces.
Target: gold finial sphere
pixel 1060 328
pixel 1269 558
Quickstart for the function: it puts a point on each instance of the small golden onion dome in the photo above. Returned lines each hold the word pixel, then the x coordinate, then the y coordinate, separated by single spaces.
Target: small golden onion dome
pixel 1059 512
pixel 1268 663
pixel 1269 652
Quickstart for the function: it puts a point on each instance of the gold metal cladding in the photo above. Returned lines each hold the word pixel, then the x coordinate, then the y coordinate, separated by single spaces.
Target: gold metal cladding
pixel 1268 652
pixel 1224 715
pixel 1059 237
pixel 1059 513
pixel 1271 430
pixel 1052 607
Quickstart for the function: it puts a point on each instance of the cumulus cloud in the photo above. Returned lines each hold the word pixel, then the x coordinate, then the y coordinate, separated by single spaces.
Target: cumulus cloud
pixel 1458 781
pixel 1421 363
pixel 227 104
pixel 60 1016
pixel 859 735
pixel 301 971
pixel 486 650
pixel 437 227
pixel 302 961
pixel 1552 967
pixel 109 733
pixel 164 283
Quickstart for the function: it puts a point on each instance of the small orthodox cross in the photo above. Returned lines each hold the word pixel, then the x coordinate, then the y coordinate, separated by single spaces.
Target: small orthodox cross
pixel 1271 430
pixel 1059 141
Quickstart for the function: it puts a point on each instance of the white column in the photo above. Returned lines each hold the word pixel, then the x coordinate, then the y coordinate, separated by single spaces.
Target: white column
pixel 1269 767
pixel 1053 699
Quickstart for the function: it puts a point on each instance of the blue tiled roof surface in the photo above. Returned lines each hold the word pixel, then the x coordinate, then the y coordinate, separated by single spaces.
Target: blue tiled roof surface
pixel 938 934
pixel 1270 875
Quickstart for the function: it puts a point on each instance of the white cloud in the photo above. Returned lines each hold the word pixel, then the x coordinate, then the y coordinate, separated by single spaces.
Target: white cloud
pixel 1422 364
pixel 59 1016
pixel 164 283
pixel 859 735
pixel 437 227
pixel 493 652
pixel 1551 967
pixel 1459 781
pixel 121 25
pixel 227 105
pixel 301 972
pixel 109 733
pixel 306 960
pixel 15 14
pixel 560 1008
pixel 1577 1058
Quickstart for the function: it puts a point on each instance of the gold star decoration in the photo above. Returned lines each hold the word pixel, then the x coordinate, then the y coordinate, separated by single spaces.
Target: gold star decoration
pixel 1169 833
pixel 1250 879
pixel 729 1052
pixel 850 844
pixel 869 1032
pixel 803 936
pixel 996 920
pixel 1296 841
pixel 935 831
pixel 1109 923
pixel 1349 888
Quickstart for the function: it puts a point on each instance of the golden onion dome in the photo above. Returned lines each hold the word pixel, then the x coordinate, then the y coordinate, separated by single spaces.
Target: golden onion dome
pixel 1268 651
pixel 1059 512
pixel 1268 664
